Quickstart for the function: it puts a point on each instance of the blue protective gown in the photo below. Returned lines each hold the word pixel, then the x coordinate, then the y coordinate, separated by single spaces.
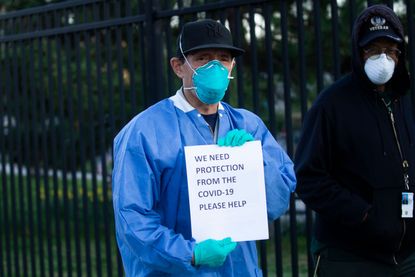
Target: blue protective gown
pixel 150 193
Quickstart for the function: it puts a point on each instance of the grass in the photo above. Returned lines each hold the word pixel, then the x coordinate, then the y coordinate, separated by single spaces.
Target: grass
pixel 55 218
pixel 286 256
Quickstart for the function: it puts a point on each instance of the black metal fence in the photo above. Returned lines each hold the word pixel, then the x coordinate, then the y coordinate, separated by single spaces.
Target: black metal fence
pixel 73 73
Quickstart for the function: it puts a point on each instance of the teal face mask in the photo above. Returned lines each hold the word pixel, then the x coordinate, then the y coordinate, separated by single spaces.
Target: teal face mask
pixel 211 81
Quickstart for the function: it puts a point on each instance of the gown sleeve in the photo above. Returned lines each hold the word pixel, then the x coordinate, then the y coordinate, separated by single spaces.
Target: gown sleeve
pixel 136 194
pixel 279 174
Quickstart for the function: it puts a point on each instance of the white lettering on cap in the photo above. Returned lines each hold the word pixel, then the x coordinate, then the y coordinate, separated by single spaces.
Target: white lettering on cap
pixel 378 23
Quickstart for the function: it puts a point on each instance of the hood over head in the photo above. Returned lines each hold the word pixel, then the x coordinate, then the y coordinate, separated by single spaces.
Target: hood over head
pixel 374 22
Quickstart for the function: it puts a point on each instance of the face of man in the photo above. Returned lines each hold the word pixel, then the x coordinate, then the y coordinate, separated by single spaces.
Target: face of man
pixel 380 59
pixel 380 46
pixel 202 57
pixel 197 59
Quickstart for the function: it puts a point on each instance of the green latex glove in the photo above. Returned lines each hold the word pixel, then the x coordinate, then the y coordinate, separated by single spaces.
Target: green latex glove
pixel 235 137
pixel 213 252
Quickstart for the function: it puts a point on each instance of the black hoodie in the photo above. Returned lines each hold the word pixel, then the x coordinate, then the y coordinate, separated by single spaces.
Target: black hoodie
pixel 348 163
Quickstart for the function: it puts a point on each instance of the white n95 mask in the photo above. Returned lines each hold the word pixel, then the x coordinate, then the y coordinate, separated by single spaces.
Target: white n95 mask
pixel 379 70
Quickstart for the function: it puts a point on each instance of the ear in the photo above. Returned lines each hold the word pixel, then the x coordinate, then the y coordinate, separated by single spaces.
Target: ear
pixel 176 64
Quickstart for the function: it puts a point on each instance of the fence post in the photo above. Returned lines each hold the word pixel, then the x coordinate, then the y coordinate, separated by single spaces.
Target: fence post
pixel 154 62
pixel 410 46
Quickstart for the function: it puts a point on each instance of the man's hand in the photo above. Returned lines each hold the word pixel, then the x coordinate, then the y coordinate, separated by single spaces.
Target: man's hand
pixel 213 252
pixel 235 137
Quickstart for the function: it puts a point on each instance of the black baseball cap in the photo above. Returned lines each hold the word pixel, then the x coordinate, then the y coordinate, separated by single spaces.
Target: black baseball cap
pixel 377 26
pixel 204 34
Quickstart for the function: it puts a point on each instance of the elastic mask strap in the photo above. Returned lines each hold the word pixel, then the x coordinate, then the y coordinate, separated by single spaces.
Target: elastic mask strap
pixel 181 50
pixel 184 56
pixel 230 71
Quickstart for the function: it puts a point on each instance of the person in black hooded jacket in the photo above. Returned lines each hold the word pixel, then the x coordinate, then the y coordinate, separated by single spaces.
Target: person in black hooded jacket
pixel 355 162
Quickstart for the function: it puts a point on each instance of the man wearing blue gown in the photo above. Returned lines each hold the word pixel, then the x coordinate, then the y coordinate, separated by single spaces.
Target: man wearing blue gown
pixel 150 193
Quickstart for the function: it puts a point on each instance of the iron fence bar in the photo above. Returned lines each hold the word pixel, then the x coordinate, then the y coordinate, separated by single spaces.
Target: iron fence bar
pixel 31 99
pixel 109 57
pixel 120 67
pixel 222 15
pixel 15 160
pixel 263 257
pixel 13 91
pixel 267 10
pixel 411 46
pixel 293 236
pixel 289 132
pixel 91 152
pixel 270 69
pixel 155 85
pixel 390 3
pixel 110 89
pixel 318 45
pixel 169 45
pixel 63 152
pixel 2 25
pixel 131 68
pixel 207 7
pixel 113 116
pixel 108 52
pixel 142 56
pixel 37 232
pixel 53 144
pixel 301 58
pixel 2 161
pixel 21 151
pixel 222 20
pixel 28 158
pixel 76 229
pixel 46 8
pixel 278 248
pixel 335 38
pixel 194 15
pixel 353 14
pixel 309 228
pixel 85 206
pixel 101 150
pixel 88 127
pixel 103 24
pixel 56 138
pixel 2 222
pixel 83 126
pixel 5 180
pixel 239 59
pixel 286 78
pixel 1 241
pixel 254 62
pixel 54 159
pixel 44 143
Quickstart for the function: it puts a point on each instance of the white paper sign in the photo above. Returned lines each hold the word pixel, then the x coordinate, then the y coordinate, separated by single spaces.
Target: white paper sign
pixel 227 192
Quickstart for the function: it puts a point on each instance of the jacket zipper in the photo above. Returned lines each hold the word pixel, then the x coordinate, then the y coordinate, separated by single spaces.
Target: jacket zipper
pixel 405 166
